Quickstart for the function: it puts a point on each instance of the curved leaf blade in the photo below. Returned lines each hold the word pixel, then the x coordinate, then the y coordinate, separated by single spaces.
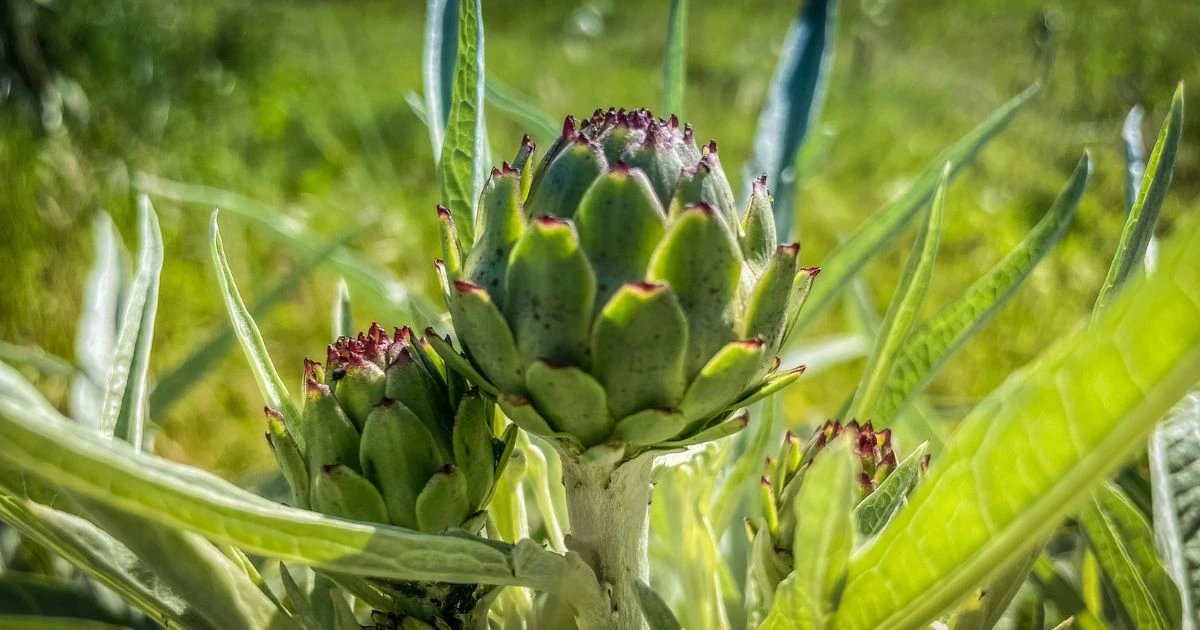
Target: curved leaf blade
pixel 675 60
pixel 1143 215
pixel 36 438
pixel 540 125
pixel 96 333
pixel 1124 547
pixel 934 342
pixel 464 147
pixel 655 611
pixel 903 309
pixel 272 387
pixel 1033 449
pixel 1174 477
pixel 794 101
pixel 123 414
pixel 886 223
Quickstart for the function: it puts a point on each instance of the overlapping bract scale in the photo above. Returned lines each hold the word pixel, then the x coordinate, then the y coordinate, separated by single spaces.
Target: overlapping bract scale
pixel 616 293
pixel 389 435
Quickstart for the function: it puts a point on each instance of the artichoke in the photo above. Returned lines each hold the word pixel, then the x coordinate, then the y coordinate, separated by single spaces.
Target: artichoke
pixel 387 436
pixel 772 534
pixel 613 296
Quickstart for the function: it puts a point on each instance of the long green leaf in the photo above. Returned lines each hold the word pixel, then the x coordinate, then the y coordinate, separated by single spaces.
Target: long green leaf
pixel 343 320
pixel 1139 226
pixel 675 60
pixel 852 253
pixel 370 281
pixel 905 304
pixel 102 558
pixel 538 124
pixel 174 384
pixel 1124 547
pixel 124 413
pixel 1174 479
pixel 33 622
pixel 1134 152
pixel 36 358
pixel 793 104
pixel 464 148
pixel 824 538
pixel 1029 453
pixel 37 439
pixel 437 67
pixel 935 341
pixel 96 333
pixel 49 597
pixel 272 387
pixel 983 610
pixel 657 613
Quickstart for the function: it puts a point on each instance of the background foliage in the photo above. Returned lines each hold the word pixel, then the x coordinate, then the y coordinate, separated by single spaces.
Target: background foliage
pixel 305 107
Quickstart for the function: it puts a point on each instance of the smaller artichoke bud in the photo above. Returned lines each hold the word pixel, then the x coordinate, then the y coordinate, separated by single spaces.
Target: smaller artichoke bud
pixel 356 376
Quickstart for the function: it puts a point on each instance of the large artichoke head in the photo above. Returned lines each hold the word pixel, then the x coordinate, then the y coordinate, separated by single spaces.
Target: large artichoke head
pixel 614 296
pixel 387 435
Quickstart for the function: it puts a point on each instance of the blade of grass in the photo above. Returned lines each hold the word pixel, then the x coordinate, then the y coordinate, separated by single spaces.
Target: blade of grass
pixel 538 124
pixel 935 341
pixel 902 311
pixel 794 101
pixel 1143 215
pixel 844 262
pixel 372 282
pixel 675 60
pixel 123 415
pixel 464 147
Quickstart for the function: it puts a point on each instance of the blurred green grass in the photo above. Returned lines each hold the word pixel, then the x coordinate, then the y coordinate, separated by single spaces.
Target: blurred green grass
pixel 302 105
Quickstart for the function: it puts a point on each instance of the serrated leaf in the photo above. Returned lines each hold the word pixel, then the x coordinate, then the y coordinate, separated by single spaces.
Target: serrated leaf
pixel 935 341
pixel 1143 215
pixel 903 309
pixel 123 414
pixel 1028 454
pixel 880 228
pixel 1174 478
pixel 180 497
pixel 1124 547
pixel 269 384
pixel 824 538
pixel 675 60
pixel 794 100
pixel 464 147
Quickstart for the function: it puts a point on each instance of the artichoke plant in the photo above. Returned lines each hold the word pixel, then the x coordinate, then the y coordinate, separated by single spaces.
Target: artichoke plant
pixel 388 436
pixel 614 295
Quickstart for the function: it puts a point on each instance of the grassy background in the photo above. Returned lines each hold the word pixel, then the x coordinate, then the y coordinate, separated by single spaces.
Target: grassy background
pixel 302 105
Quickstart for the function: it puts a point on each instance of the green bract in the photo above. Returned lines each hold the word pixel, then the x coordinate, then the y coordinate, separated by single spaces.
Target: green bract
pixel 613 294
pixel 387 436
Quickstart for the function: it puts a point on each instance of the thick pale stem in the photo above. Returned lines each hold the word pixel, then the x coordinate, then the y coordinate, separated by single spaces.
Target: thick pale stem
pixel 609 510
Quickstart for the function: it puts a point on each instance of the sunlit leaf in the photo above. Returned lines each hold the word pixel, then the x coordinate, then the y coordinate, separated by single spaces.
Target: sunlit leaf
pixel 1124 547
pixel 1174 479
pixel 840 265
pixel 464 147
pixel 96 333
pixel 123 414
pixel 675 60
pixel 935 341
pixel 1143 215
pixel 794 101
pixel 437 67
pixel 180 497
pixel 1029 453
pixel 824 538
pixel 272 387
pixel 903 309
pixel 878 508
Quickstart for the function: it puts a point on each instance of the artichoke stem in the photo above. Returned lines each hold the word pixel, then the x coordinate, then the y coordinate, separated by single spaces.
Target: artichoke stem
pixel 609 510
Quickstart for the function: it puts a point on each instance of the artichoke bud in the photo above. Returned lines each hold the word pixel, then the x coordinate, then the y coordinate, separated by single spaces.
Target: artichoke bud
pixel 621 299
pixel 390 435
